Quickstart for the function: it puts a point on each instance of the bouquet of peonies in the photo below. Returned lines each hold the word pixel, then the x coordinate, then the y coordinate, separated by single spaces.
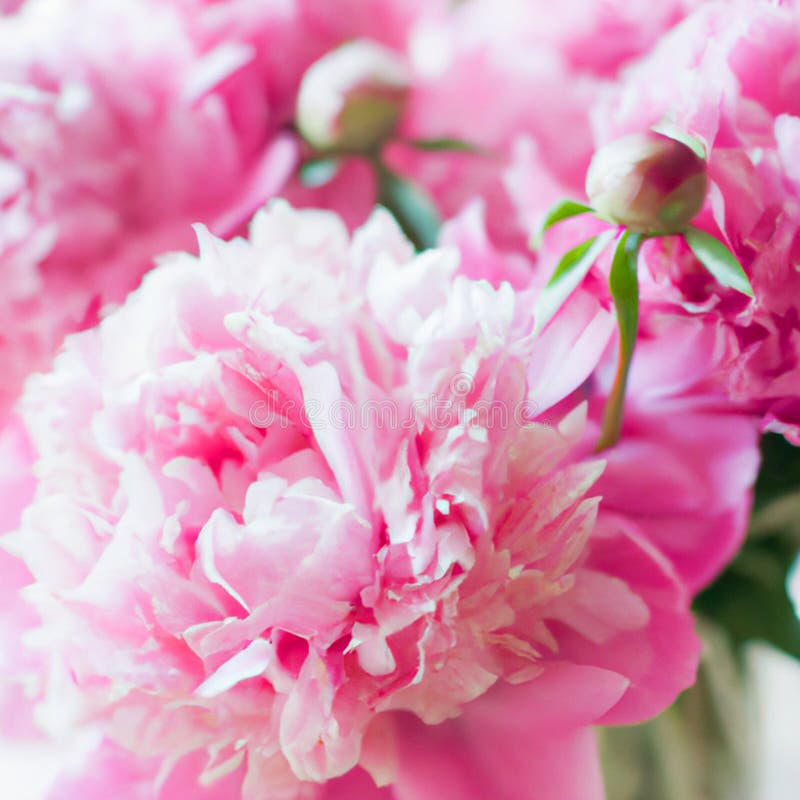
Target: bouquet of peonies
pixel 385 388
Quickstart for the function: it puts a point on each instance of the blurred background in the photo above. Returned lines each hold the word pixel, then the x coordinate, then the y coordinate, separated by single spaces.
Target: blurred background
pixel 735 735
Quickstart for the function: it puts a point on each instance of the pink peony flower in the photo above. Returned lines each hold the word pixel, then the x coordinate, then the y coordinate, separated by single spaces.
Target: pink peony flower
pixel 687 461
pixel 307 504
pixel 686 464
pixel 738 89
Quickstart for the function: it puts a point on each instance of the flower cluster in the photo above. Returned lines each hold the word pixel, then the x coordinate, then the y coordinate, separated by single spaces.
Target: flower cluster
pixel 215 585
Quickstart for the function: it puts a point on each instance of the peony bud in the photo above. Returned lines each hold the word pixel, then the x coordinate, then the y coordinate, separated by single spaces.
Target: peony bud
pixel 352 98
pixel 648 182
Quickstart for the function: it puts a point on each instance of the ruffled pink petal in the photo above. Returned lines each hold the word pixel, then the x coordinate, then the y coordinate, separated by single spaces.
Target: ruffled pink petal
pixel 110 771
pixel 513 744
pixel 630 614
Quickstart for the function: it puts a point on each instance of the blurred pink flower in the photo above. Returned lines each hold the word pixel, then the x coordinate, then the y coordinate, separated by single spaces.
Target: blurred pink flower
pixel 352 98
pixel 503 78
pixel 516 79
pixel 123 122
pixel 234 555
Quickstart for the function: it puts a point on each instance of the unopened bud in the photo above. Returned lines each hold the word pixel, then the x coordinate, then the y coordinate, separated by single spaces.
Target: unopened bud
pixel 352 98
pixel 648 182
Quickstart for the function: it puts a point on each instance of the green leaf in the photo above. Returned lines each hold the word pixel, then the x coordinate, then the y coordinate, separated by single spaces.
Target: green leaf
pixel 567 276
pixel 414 211
pixel 718 260
pixel 444 145
pixel 668 128
pixel 317 172
pixel 563 209
pixel 750 599
pixel 624 285
pixel 779 474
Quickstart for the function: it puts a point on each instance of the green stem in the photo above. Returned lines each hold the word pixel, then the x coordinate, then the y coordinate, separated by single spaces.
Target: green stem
pixel 624 285
pixel 413 210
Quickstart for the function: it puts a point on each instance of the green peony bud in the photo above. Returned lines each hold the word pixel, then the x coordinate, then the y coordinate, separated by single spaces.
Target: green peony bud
pixel 351 99
pixel 648 182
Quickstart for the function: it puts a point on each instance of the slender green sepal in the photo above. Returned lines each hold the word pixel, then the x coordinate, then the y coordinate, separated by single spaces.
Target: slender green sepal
pixel 317 172
pixel 668 128
pixel 624 285
pixel 445 144
pixel 567 276
pixel 718 260
pixel 563 209
pixel 414 211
